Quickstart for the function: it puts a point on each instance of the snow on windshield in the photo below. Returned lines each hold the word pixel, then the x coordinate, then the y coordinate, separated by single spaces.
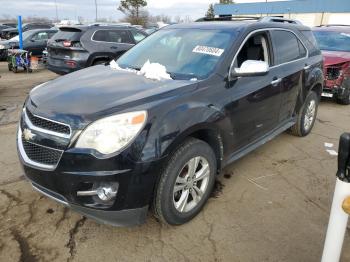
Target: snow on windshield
pixel 154 71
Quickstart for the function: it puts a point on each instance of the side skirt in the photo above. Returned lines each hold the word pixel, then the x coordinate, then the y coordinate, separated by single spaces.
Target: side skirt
pixel 259 142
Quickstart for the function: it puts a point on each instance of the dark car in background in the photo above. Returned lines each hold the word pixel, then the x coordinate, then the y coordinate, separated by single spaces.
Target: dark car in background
pixel 74 48
pixel 334 41
pixel 112 140
pixel 34 41
pixel 12 32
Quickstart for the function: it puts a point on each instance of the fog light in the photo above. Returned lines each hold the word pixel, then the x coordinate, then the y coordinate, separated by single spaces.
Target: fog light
pixel 346 205
pixel 107 193
pixel 104 191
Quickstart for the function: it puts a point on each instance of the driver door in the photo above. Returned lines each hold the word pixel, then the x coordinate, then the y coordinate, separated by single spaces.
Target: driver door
pixel 256 98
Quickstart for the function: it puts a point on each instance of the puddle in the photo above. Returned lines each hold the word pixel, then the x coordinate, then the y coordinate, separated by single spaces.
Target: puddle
pixel 50 211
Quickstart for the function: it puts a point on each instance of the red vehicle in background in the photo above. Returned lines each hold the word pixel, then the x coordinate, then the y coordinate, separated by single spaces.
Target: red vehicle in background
pixel 334 42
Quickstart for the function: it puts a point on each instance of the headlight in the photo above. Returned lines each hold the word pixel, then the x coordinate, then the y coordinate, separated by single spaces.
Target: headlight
pixel 112 134
pixel 2 47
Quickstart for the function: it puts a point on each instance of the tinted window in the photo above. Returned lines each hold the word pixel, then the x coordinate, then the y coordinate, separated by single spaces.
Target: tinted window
pixel 113 36
pixel 41 36
pixel 138 36
pixel 310 37
pixel 287 47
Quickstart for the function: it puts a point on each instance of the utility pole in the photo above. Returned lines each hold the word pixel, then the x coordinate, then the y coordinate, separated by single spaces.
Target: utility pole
pixel 56 10
pixel 95 10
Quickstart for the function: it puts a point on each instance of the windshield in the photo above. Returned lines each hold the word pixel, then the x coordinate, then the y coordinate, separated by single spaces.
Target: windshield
pixel 185 53
pixel 333 41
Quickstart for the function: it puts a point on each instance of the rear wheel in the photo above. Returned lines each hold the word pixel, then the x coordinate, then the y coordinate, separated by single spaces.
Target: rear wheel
pixel 307 116
pixel 185 183
pixel 99 62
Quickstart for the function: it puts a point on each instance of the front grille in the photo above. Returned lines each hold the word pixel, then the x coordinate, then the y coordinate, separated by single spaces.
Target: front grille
pixel 40 154
pixel 47 124
pixel 332 73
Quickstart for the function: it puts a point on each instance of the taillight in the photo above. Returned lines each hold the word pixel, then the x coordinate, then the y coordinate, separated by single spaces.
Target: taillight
pixel 71 63
pixel 67 43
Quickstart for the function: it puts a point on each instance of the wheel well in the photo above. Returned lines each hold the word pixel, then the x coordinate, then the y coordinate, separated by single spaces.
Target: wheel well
pixel 100 59
pixel 318 89
pixel 214 140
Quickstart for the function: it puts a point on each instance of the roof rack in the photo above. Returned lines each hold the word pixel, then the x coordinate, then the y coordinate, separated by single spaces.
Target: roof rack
pixel 274 19
pixel 110 24
pixel 332 25
pixel 227 18
pixel 266 19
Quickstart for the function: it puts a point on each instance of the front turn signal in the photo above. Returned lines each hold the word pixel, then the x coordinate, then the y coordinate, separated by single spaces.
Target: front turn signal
pixel 346 205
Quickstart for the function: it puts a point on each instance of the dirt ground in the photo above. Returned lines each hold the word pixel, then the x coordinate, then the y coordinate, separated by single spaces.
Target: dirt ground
pixel 272 205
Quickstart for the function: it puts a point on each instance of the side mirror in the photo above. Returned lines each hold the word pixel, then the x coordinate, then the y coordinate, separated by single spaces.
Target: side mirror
pixel 251 68
pixel 344 158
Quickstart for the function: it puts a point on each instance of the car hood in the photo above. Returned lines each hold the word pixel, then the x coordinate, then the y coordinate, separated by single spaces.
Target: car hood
pixel 95 92
pixel 335 57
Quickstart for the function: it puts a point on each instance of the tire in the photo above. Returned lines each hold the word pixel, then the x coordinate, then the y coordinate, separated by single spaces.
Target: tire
pixel 345 100
pixel 99 62
pixel 304 123
pixel 167 203
pixel 9 66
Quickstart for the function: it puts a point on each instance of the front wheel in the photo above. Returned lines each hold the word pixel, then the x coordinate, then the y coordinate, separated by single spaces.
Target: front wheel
pixel 185 183
pixel 307 116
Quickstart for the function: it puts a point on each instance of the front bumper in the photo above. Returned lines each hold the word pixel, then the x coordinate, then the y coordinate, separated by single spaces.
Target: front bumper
pixel 336 90
pixel 129 217
pixel 79 170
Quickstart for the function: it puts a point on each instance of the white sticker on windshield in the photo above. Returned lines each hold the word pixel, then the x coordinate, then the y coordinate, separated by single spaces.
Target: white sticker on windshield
pixel 208 50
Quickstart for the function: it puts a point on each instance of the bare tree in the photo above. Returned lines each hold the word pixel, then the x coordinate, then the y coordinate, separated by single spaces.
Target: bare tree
pixel 133 11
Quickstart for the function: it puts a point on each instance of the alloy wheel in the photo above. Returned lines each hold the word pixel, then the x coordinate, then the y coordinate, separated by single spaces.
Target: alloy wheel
pixel 310 115
pixel 191 184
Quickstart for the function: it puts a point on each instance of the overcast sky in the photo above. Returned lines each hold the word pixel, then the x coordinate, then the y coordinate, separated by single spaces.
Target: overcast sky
pixel 71 9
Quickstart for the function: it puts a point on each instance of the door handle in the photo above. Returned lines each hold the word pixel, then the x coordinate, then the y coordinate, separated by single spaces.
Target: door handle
pixel 307 67
pixel 114 47
pixel 276 81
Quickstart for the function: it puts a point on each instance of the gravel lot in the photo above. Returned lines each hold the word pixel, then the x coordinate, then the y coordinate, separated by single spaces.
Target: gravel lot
pixel 271 205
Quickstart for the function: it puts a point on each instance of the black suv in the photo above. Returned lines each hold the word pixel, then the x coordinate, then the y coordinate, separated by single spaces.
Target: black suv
pixel 155 127
pixel 74 48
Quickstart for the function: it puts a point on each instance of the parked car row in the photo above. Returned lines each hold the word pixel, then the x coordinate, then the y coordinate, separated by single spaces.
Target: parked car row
pixel 10 32
pixel 34 41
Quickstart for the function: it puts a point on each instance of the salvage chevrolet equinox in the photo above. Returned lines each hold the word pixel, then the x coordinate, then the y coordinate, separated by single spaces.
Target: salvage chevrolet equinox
pixel 154 128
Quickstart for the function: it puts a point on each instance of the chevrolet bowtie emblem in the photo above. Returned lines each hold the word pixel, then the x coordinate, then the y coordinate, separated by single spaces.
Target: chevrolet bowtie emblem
pixel 28 135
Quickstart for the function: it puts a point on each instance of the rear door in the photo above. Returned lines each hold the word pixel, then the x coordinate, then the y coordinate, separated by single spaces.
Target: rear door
pixel 37 43
pixel 290 61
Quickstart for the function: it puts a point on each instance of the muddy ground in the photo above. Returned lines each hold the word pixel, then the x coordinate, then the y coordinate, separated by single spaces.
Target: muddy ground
pixel 271 205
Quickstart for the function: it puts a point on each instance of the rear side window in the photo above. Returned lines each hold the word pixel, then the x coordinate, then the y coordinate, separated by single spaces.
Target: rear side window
pixel 138 36
pixel 287 47
pixel 41 36
pixel 112 36
pixel 310 37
